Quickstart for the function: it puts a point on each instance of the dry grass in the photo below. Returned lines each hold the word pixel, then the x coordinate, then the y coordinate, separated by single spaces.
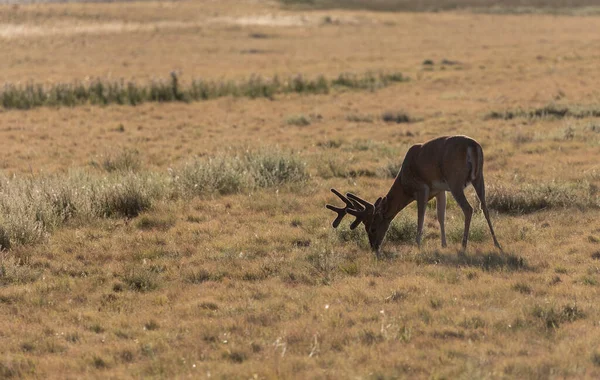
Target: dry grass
pixel 577 7
pixel 184 239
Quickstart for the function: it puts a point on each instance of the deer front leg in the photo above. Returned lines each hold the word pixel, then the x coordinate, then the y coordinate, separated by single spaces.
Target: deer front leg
pixel 422 197
pixel 441 215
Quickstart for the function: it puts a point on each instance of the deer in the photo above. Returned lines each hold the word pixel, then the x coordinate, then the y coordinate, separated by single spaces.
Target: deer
pixel 430 169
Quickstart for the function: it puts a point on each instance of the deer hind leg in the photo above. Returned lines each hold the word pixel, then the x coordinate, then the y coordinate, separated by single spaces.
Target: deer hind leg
pixel 459 194
pixel 422 198
pixel 479 185
pixel 441 214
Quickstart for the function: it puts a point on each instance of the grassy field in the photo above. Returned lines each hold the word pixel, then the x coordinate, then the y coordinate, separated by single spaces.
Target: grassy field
pixel 174 235
pixel 571 7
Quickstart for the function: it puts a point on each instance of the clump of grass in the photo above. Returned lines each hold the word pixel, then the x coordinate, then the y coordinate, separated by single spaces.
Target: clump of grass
pixel 552 111
pixel 391 169
pixel 141 279
pixel 522 287
pixel 220 175
pixel 148 222
pixel 330 144
pixel 396 296
pixel 403 229
pixel 357 235
pixel 226 175
pixel 126 199
pixel 126 160
pixel 332 167
pixel 485 261
pixel 275 168
pixel 397 117
pixel 522 138
pixel 324 261
pixel 199 276
pixel 103 92
pixel 236 356
pixel 552 318
pixel 32 207
pixel 478 230
pixel 356 118
pixel 530 198
pixel 12 272
pixel 298 120
pixel 99 362
pixel 16 368
pixel 436 303
pixel 151 325
pixel 367 81
pixel 473 323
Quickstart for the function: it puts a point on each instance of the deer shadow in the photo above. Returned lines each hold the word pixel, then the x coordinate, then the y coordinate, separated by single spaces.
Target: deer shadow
pixel 485 260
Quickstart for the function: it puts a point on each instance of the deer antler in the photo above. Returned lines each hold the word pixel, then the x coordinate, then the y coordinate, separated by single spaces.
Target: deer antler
pixel 366 206
pixel 341 211
pixel 355 206
pixel 361 210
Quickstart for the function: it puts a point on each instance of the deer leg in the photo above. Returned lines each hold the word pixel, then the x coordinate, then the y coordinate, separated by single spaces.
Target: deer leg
pixel 479 185
pixel 459 195
pixel 441 214
pixel 422 198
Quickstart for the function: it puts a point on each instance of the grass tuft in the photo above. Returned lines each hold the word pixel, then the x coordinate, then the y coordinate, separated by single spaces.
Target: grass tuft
pixel 141 279
pixel 403 229
pixel 298 120
pixel 552 318
pixel 550 111
pixel 104 92
pixel 126 161
pixel 397 117
pixel 530 198
pixel 486 261
pixel 227 175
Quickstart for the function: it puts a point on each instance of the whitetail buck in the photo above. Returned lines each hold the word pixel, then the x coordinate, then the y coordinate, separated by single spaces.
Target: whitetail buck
pixel 448 163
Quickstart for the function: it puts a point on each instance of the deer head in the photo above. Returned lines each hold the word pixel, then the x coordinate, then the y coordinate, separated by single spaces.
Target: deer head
pixel 371 215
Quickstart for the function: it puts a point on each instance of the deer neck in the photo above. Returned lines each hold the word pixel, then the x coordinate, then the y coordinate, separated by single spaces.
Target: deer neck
pixel 397 199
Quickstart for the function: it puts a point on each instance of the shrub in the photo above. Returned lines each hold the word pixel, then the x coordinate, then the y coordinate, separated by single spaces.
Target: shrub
pixel 274 168
pixel 226 175
pixel 403 229
pixel 221 175
pixel 391 169
pixel 126 199
pixel 127 160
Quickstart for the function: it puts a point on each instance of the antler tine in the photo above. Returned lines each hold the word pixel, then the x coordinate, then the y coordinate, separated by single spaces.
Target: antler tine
pixel 366 205
pixel 342 197
pixel 355 206
pixel 341 211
